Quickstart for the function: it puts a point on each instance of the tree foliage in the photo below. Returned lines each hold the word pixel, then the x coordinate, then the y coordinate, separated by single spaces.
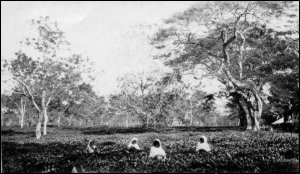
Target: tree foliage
pixel 230 41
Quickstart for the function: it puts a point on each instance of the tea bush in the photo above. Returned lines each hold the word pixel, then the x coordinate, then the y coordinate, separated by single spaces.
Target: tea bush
pixel 232 151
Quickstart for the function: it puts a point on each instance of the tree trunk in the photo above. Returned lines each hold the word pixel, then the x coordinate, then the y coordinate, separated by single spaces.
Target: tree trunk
pixel 245 120
pixel 127 120
pixel 1 159
pixel 70 120
pixel 147 120
pixel 252 110
pixel 38 132
pixel 22 114
pixel 58 121
pixel 191 113
pixel 22 109
pixel 80 122
pixel 215 124
pixel 249 114
pixel 22 119
pixel 45 120
pixel 259 110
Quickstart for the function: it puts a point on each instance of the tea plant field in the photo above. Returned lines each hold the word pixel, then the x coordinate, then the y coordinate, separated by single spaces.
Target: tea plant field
pixel 232 151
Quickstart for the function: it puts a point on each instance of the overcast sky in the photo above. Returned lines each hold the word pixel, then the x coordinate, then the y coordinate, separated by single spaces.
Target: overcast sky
pixel 107 32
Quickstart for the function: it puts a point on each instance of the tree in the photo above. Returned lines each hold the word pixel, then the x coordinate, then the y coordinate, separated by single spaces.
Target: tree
pixel 16 100
pixel 138 84
pixel 84 105
pixel 50 70
pixel 7 88
pixel 284 86
pixel 223 38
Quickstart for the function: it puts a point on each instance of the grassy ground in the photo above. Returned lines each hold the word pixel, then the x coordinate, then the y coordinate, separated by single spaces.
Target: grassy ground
pixel 232 151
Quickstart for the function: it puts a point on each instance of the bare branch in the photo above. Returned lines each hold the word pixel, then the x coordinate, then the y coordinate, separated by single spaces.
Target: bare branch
pixel 29 92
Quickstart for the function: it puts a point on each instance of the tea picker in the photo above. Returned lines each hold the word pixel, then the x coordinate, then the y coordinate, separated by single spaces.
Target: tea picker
pixel 133 144
pixel 202 145
pixel 156 151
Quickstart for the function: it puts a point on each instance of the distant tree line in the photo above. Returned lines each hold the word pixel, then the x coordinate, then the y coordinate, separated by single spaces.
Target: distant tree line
pixel 234 46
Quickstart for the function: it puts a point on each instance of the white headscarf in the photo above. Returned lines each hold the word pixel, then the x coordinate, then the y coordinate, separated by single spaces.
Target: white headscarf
pixel 136 146
pixel 89 148
pixel 204 145
pixel 157 151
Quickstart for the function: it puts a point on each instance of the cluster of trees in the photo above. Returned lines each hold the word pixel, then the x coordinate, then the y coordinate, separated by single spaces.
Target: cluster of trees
pixel 229 41
pixel 49 87
pixel 236 43
pixel 166 100
pixel 45 71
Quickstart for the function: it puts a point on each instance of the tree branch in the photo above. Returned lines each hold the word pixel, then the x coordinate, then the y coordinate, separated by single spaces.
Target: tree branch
pixel 189 42
pixel 53 93
pixel 29 92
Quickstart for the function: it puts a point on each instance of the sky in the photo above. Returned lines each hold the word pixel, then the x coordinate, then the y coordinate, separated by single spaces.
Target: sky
pixel 111 34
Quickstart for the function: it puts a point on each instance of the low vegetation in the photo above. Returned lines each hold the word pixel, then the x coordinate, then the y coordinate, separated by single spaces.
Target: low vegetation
pixel 232 151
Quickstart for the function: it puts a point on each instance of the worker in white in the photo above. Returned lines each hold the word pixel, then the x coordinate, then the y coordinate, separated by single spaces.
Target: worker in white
pixel 91 147
pixel 133 144
pixel 156 151
pixel 203 145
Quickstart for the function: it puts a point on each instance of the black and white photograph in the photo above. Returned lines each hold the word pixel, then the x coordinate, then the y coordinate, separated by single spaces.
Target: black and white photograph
pixel 149 86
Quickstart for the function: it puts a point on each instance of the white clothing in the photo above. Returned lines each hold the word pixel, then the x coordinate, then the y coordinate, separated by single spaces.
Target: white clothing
pixel 205 146
pixel 91 149
pixel 136 146
pixel 157 151
pixel 154 151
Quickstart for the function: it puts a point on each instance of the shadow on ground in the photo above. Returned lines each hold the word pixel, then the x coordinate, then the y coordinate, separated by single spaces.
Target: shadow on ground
pixel 34 157
pixel 11 132
pixel 54 157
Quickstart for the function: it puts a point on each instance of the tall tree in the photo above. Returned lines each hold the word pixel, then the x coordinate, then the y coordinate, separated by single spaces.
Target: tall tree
pixel 17 100
pixel 50 69
pixel 138 84
pixel 223 38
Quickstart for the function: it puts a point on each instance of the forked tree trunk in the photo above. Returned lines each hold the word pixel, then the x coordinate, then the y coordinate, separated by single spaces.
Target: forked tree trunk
pixel 42 111
pixel 249 115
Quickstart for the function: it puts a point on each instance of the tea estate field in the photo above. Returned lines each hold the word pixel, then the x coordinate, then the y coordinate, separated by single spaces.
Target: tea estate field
pixel 232 151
